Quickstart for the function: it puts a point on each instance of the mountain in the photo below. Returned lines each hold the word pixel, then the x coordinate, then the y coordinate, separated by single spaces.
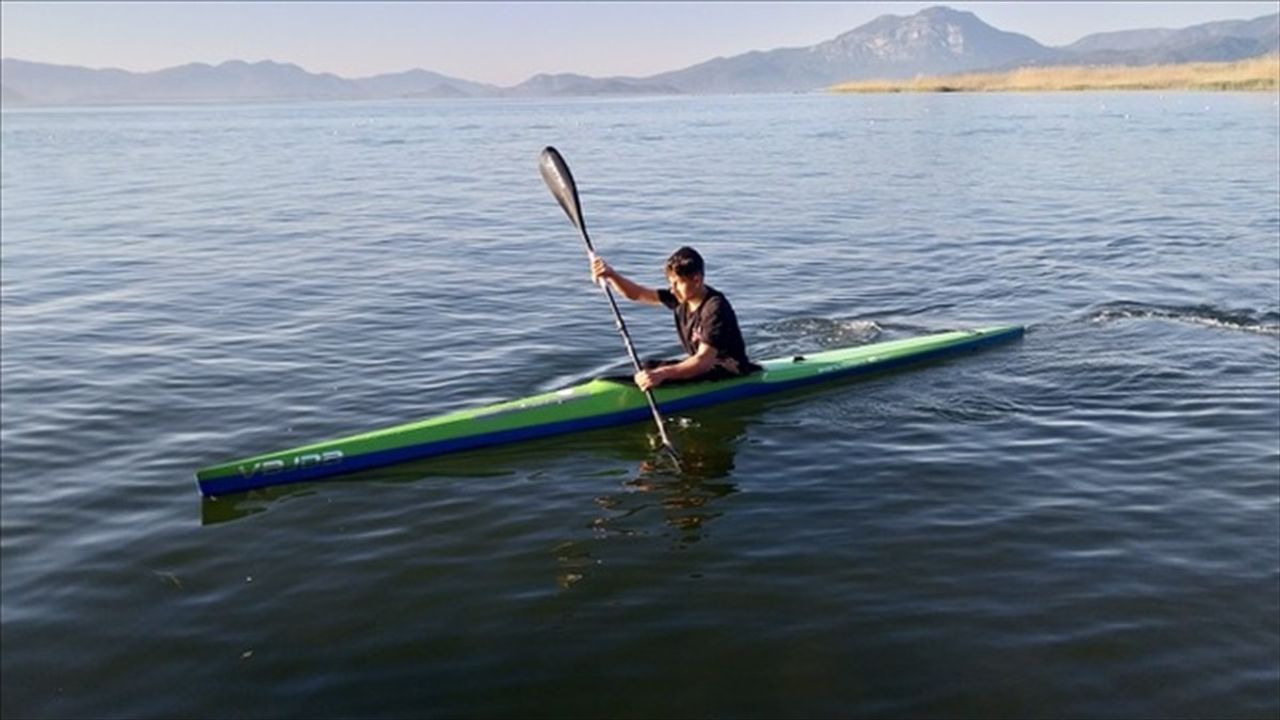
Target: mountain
pixel 936 41
pixel 241 81
pixel 568 84
pixel 234 80
pixel 423 84
pixel 1122 41
pixel 58 84
pixel 1210 42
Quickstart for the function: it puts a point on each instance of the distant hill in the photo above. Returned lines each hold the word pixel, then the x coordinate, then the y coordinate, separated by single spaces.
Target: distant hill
pixel 1122 41
pixel 230 81
pixel 576 85
pixel 1210 42
pixel 234 80
pixel 10 96
pixel 422 84
pixel 936 41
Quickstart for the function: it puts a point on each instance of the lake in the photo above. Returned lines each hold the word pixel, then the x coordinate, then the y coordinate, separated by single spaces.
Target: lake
pixel 1084 523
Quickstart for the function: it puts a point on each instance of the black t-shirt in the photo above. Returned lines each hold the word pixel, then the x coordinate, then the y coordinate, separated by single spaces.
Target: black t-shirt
pixel 713 323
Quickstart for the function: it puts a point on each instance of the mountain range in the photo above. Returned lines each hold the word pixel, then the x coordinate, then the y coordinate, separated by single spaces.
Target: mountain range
pixel 936 41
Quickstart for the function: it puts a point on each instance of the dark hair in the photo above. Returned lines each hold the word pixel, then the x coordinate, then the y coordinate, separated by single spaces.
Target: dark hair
pixel 685 262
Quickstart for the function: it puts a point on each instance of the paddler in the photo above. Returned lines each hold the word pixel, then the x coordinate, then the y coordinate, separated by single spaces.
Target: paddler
pixel 705 322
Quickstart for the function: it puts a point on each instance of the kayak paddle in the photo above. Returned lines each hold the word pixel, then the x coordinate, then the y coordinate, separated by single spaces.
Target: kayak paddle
pixel 556 173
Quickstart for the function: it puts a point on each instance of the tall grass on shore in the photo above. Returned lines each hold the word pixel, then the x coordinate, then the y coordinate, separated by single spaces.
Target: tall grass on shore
pixel 1260 73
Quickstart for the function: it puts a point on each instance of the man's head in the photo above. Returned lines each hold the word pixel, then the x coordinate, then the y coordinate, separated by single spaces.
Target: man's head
pixel 685 262
pixel 685 273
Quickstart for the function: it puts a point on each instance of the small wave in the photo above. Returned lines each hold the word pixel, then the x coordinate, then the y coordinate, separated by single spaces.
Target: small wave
pixel 1262 323
pixel 970 409
pixel 823 331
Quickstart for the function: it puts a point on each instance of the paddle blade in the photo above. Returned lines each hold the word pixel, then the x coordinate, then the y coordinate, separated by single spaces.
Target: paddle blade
pixel 558 178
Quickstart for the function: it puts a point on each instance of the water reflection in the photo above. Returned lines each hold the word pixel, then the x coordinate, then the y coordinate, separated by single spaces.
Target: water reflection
pixel 684 497
pixel 662 499
pixel 214 511
pixel 706 456
pixel 488 463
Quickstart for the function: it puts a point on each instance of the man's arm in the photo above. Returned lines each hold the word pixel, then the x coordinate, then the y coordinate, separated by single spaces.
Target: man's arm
pixel 630 290
pixel 692 366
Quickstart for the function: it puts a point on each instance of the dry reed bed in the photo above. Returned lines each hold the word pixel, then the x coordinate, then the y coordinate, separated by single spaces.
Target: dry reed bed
pixel 1261 73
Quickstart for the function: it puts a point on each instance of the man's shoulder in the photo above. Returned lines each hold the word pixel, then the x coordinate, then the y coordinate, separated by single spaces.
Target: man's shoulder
pixel 668 298
pixel 716 299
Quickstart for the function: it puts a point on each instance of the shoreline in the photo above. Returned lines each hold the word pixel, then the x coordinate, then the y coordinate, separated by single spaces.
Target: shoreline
pixel 1253 75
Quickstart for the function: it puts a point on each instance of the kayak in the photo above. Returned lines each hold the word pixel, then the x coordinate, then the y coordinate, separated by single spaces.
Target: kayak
pixel 602 402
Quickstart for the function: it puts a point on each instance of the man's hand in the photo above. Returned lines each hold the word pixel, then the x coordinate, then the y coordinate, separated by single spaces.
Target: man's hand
pixel 600 270
pixel 647 379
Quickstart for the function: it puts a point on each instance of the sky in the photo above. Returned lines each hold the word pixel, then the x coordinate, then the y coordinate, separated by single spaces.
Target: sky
pixel 506 43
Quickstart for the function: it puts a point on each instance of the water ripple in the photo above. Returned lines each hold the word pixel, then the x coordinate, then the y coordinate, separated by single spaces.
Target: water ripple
pixel 1085 520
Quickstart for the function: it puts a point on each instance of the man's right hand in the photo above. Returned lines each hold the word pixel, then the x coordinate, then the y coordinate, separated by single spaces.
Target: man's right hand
pixel 605 276
pixel 600 270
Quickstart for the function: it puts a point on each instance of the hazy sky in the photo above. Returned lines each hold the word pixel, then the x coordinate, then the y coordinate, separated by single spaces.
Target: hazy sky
pixel 505 43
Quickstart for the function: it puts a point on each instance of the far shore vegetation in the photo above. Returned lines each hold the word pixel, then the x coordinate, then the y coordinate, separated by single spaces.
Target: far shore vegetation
pixel 1260 73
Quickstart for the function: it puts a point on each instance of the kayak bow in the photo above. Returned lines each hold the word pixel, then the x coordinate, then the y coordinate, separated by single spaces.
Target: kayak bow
pixel 595 404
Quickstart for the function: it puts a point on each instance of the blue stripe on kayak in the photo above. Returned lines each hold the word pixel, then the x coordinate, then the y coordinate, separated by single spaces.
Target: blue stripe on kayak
pixel 231 484
pixel 748 390
pixel 234 484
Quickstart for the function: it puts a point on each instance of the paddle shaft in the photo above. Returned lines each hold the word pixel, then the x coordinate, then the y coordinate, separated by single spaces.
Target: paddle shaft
pixel 631 348
pixel 555 171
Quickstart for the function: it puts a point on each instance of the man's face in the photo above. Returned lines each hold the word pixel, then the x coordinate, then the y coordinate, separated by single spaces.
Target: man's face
pixel 685 287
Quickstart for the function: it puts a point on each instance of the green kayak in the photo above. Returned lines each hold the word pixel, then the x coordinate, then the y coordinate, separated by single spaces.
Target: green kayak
pixel 596 404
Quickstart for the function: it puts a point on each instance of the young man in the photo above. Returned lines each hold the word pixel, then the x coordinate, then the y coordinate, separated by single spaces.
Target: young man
pixel 705 321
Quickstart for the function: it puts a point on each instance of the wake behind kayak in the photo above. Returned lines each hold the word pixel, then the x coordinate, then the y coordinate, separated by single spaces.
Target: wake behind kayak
pixel 596 404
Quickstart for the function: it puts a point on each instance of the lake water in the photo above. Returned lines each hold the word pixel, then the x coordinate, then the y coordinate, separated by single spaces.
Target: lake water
pixel 1084 523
